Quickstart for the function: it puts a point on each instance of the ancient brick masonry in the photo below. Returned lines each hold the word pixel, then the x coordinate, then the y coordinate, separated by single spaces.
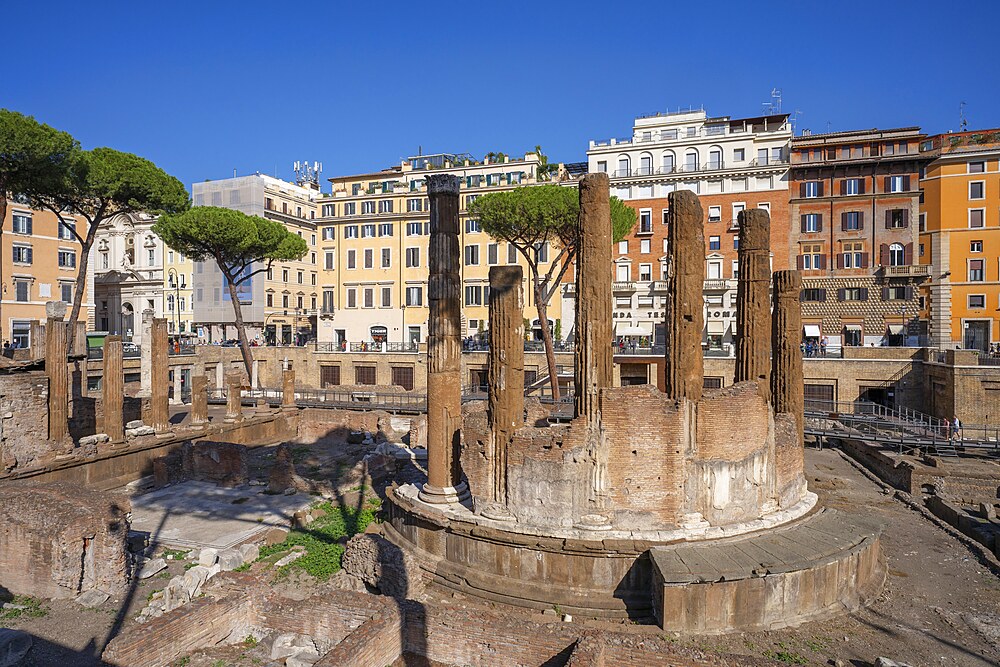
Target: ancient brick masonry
pixel 113 387
pixel 506 368
pixel 159 414
pixel 594 361
pixel 753 323
pixel 787 390
pixel 444 348
pixel 56 369
pixel 685 318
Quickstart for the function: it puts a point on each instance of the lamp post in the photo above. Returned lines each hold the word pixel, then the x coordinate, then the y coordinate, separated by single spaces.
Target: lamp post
pixel 177 302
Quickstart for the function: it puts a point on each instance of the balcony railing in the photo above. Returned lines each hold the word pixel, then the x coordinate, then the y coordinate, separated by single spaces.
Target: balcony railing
pixel 623 286
pixel 912 271
pixel 716 285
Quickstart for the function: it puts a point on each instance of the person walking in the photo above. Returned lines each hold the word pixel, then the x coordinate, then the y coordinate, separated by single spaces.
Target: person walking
pixel 956 428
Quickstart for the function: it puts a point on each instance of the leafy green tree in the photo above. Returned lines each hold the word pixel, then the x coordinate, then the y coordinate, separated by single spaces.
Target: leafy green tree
pixel 33 158
pixel 528 218
pixel 237 242
pixel 100 184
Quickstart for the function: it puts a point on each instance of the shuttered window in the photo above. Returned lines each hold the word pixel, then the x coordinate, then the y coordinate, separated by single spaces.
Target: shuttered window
pixel 329 376
pixel 403 377
pixel 364 375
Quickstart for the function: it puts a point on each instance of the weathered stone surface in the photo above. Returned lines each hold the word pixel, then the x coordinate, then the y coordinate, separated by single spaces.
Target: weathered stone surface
pixel 594 358
pixel 381 564
pixel 152 567
pixel 224 463
pixel 135 423
pixel 199 400
pixel 113 389
pixel 57 371
pixel 249 552
pixel 685 318
pixel 92 598
pixel 230 559
pixel 159 414
pixel 290 558
pixel 505 370
pixel 195 578
pixel 288 388
pixel 208 557
pixel 282 475
pixel 787 389
pixel 753 318
pixel 234 397
pixel 444 349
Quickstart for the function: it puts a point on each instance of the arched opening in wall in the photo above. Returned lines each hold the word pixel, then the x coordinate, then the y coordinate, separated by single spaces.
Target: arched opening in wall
pixel 128 321
pixel 691 160
pixel 897 255
pixel 668 162
pixel 536 328
pixel 645 164
pixel 624 166
pixel 715 157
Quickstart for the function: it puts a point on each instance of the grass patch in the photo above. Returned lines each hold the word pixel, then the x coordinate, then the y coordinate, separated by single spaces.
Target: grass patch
pixel 250 641
pixel 321 539
pixel 188 566
pixel 174 554
pixel 786 657
pixel 32 608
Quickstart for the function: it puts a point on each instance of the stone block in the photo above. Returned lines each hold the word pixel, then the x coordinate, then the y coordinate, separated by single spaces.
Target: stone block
pixel 92 598
pixel 194 579
pixel 230 559
pixel 249 552
pixel 208 557
pixel 152 567
pixel 275 536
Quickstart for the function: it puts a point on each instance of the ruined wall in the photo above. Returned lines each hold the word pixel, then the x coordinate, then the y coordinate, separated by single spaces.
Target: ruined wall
pixel 222 463
pixel 58 540
pixel 789 461
pixel 24 420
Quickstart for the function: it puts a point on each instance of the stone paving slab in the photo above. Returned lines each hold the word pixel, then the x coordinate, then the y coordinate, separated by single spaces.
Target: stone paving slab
pixel 816 539
pixel 199 514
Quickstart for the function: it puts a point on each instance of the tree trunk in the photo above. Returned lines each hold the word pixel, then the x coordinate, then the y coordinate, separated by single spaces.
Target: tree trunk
pixel 240 330
pixel 542 308
pixel 81 286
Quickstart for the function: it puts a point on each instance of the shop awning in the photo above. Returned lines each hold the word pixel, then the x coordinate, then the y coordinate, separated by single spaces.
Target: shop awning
pixel 811 330
pixel 896 330
pixel 852 327
pixel 716 327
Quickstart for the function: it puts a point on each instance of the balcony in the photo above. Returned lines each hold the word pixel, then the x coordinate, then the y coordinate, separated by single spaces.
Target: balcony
pixel 623 286
pixel 912 271
pixel 716 285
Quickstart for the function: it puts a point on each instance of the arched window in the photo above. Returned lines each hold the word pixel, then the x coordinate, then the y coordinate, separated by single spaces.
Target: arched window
pixel 715 157
pixel 896 255
pixel 645 164
pixel 668 163
pixel 691 160
pixel 624 168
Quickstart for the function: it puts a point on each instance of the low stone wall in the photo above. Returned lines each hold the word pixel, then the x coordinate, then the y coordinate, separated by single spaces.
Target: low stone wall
pixel 893 471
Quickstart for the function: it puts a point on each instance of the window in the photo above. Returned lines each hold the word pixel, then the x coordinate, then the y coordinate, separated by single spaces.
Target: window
pixel 852 186
pixel 329 210
pixel 369 258
pixel 66 293
pixel 895 293
pixel 412 257
pixel 715 158
pixel 646 221
pixel 975 246
pixel 977 301
pixel 668 162
pixel 386 258
pixel 385 229
pixel 739 155
pixel 269 300
pixel 762 156
pixel 714 243
pixel 813 294
pixel 105 260
pixel 714 271
pixel 387 297
pixel 415 296
pixel 364 375
pixel 328 260
pixel 644 246
pixel 352 259
pixel 511 253
pixel 22 254
pixel 623 272
pixel 351 232
pixel 976 270
pixel 472 227
pixel 602 166
pixel 472 255
pixel 645 164
pixel 351 208
pixel 367 207
pixel 812 189
pixel 22 289
pixel 623 247
pixel 299 277
pixel 851 221
pixel 66 228
pixel 284 275
pixel 897 183
pixel 977 190
pixel 897 255
pixel 977 218
pixel 352 297
pixel 853 256
pixel 385 206
pixel 623 166
pixel 368 294
pixel 402 376
pixel 329 233
pixel 853 293
pixel 542 252
pixel 413 205
pixel 414 228
pixel 368 231
pixel 645 272
pixel 691 160
pixel 623 302
pixel 473 295
pixel 22 224
pixel 812 222
pixel 977 167
pixel 493 254
pixel 812 257
pixel 897 218
pixel 737 209
pixel 714 213
pixel 284 301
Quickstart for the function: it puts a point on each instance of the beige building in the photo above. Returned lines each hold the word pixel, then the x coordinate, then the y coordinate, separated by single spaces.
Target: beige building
pixel 374 230
pixel 40 260
pixel 281 304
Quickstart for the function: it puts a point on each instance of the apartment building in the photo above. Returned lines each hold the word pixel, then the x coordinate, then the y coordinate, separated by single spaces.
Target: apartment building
pixel 281 305
pixel 733 165
pixel 854 201
pixel 960 238
pixel 40 260
pixel 374 230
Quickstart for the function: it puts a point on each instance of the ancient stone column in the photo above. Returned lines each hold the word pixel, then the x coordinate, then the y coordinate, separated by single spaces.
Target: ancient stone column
pixel 144 339
pixel 36 340
pixel 199 400
pixel 444 348
pixel 80 339
pixel 787 389
pixel 113 389
pixel 57 371
pixel 506 368
pixel 594 357
pixel 234 397
pixel 288 388
pixel 685 318
pixel 159 383
pixel 753 317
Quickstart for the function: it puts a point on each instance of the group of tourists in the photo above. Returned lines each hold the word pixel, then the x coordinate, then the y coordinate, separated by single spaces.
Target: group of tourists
pixel 814 348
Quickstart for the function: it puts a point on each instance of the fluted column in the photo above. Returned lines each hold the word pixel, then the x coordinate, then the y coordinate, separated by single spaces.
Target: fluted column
pixel 506 368
pixel 37 339
pixel 199 400
pixel 753 318
pixel 159 383
pixel 234 397
pixel 787 389
pixel 288 388
pixel 58 374
pixel 593 359
pixel 684 370
pixel 444 348
pixel 113 389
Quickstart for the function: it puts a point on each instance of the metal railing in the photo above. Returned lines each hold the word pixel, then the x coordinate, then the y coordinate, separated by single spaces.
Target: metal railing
pixel 529 346
pixel 129 351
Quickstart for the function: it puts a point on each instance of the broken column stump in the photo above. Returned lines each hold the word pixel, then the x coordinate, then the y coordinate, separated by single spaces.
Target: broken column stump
pixel 505 371
pixel 753 317
pixel 684 367
pixel 113 390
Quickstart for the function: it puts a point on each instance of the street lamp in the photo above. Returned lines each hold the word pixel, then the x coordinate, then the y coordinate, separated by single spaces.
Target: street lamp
pixel 177 302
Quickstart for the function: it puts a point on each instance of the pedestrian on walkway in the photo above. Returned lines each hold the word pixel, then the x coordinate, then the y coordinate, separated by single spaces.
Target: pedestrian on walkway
pixel 956 428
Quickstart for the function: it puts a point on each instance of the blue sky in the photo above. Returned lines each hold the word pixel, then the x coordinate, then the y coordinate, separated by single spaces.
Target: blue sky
pixel 203 88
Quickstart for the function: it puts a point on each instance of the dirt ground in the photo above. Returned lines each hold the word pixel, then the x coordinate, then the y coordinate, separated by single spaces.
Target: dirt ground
pixel 940 606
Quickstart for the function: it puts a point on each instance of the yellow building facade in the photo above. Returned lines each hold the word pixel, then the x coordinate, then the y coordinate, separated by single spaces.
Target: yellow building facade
pixel 374 230
pixel 960 238
pixel 40 262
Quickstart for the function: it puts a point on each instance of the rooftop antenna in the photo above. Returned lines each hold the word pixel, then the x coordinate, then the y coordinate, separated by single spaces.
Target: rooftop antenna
pixel 963 123
pixel 774 106
pixel 306 172
pixel 828 125
pixel 793 117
